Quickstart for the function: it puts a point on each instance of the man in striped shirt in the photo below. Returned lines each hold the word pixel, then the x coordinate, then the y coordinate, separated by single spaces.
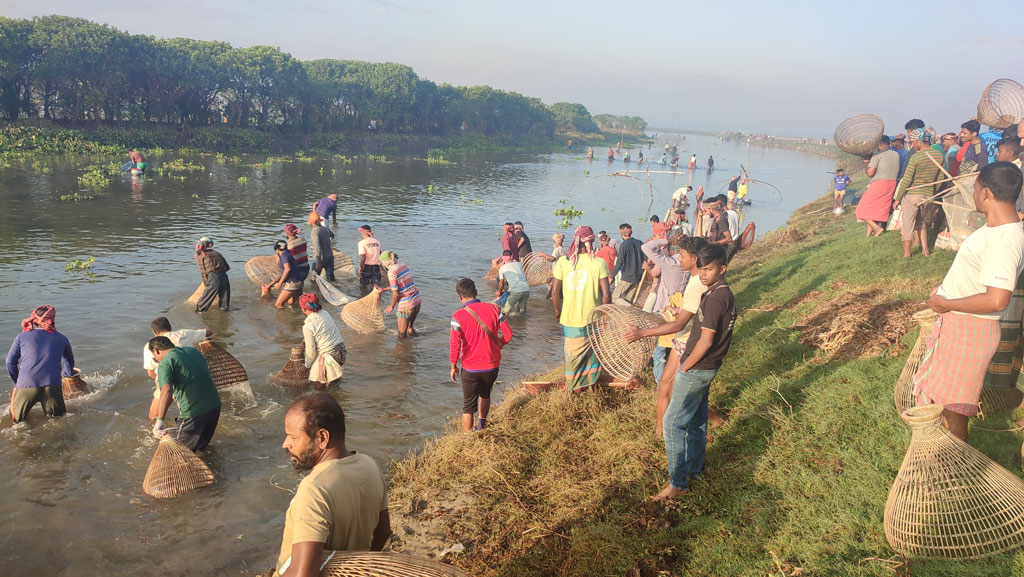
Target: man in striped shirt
pixel 404 294
pixel 922 169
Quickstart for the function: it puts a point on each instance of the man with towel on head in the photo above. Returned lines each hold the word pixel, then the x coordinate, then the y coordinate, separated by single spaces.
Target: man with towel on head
pixel 214 271
pixel 976 289
pixel 510 242
pixel 324 346
pixel 369 260
pixel 38 358
pixel 923 168
pixel 581 279
pixel 297 246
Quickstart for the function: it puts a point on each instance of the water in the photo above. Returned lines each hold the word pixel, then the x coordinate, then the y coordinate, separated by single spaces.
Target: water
pixel 73 502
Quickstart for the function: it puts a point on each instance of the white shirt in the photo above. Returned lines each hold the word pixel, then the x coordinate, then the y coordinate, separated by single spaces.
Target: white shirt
pixel 734 223
pixel 180 338
pixel 679 194
pixel 992 256
pixel 513 274
pixel 370 247
pixel 320 334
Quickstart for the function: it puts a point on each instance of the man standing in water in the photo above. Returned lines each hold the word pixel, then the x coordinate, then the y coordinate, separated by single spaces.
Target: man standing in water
pixel 509 241
pixel 685 422
pixel 320 241
pixel 629 265
pixel 976 289
pixel 511 278
pixel 38 357
pixel 297 246
pixel 290 281
pixel 214 271
pixel 184 376
pixel 522 241
pixel 474 337
pixel 582 278
pixel 369 260
pixel 327 206
pixel 711 163
pixel 342 505
pixel 161 327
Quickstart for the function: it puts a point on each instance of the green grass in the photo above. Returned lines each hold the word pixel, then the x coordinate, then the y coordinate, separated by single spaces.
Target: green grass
pixel 796 478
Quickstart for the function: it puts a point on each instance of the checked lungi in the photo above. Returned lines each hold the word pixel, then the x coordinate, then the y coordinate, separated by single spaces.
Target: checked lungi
pixel 957 355
pixel 1004 371
pixel 582 369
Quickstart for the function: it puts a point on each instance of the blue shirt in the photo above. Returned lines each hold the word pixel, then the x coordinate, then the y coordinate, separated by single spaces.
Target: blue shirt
pixel 841 182
pixel 294 274
pixel 35 359
pixel 326 207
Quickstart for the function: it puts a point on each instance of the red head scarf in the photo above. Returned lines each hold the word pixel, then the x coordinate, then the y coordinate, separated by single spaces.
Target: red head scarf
pixel 309 302
pixel 43 317
pixel 583 234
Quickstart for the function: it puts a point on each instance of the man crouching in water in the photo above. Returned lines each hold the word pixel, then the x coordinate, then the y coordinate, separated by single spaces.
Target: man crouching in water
pixel 342 505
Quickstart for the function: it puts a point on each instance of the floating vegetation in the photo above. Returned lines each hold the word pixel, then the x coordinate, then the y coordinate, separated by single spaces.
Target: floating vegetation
pixel 273 159
pixel 221 158
pixel 348 172
pixel 76 197
pixel 379 158
pixel 38 166
pixel 178 165
pixel 243 179
pixel 435 157
pixel 344 159
pixel 80 265
pixel 568 214
pixel 97 177
pixel 301 157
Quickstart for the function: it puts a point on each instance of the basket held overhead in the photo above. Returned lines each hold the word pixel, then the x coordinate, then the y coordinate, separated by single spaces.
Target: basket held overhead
pixel 343 264
pixel 904 393
pixel 74 386
pixel 618 358
pixel 537 268
pixel 380 564
pixel 330 292
pixel 859 135
pixel 364 315
pixel 948 499
pixel 1001 104
pixel 294 374
pixel 228 374
pixel 262 270
pixel 175 470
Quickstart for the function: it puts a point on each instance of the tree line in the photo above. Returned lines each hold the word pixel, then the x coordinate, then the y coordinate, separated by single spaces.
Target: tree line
pixel 76 71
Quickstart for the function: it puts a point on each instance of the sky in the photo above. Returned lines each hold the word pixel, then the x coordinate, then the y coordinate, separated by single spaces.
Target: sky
pixel 782 67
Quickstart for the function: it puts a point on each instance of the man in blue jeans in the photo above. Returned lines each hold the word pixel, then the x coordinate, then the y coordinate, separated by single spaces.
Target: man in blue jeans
pixel 685 422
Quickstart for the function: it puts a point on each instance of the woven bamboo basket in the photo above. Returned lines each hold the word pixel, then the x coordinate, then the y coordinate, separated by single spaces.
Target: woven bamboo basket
pixel 294 374
pixel 228 374
pixel 859 135
pixel 262 270
pixel 74 386
pixel 537 268
pixel 330 292
pixel 1001 104
pixel 948 499
pixel 175 470
pixel 364 315
pixel 644 290
pixel 343 264
pixel 194 299
pixel 492 273
pixel 618 358
pixel 904 393
pixel 379 564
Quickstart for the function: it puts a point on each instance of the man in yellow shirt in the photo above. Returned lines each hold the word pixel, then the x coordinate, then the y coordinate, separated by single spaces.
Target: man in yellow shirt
pixel 579 284
pixel 342 505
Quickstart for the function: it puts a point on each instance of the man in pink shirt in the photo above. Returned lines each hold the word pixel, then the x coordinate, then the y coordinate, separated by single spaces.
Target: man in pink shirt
pixel 475 336
pixel 510 242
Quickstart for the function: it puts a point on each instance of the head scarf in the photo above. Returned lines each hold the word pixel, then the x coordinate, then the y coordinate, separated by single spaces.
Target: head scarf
pixel 43 317
pixel 920 135
pixel 506 258
pixel 583 234
pixel 388 256
pixel 509 228
pixel 309 302
pixel 291 230
pixel 558 237
pixel 314 219
pixel 202 246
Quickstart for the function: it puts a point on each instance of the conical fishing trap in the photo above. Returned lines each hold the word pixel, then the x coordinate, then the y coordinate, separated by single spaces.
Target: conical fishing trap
pixel 262 270
pixel 859 135
pixel 379 564
pixel 228 374
pixel 904 393
pixel 605 330
pixel 175 470
pixel 536 268
pixel 294 374
pixel 364 315
pixel 74 386
pixel 1001 104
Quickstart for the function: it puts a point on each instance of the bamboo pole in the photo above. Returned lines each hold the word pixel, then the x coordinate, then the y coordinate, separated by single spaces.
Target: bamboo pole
pixel 944 171
pixel 639 286
pixel 941 181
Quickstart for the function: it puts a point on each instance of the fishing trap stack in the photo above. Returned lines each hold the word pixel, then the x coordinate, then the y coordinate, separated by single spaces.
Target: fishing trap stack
pixel 859 135
pixel 904 393
pixel 294 374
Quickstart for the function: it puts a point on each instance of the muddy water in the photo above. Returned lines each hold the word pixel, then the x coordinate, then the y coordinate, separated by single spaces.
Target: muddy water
pixel 72 487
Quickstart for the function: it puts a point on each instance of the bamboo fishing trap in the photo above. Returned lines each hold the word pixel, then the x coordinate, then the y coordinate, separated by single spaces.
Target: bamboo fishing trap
pixel 74 386
pixel 904 393
pixel 379 564
pixel 618 358
pixel 1001 104
pixel 294 374
pixel 364 315
pixel 959 208
pixel 343 263
pixel 194 299
pixel 948 499
pixel 262 270
pixel 175 470
pixel 859 135
pixel 228 374
pixel 536 268
pixel 492 273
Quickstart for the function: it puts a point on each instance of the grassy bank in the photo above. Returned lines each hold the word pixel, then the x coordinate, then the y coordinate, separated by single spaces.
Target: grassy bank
pixel 796 480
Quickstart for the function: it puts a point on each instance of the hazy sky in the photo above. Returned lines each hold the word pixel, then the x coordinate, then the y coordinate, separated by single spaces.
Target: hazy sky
pixel 787 67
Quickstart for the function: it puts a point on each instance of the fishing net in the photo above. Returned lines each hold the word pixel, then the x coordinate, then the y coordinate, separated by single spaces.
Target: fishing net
pixel 195 296
pixel 262 270
pixel 948 499
pixel 364 315
pixel 228 374
pixel 961 216
pixel 618 358
pixel 330 292
pixel 74 386
pixel 859 135
pixel 343 264
pixel 1001 104
pixel 294 374
pixel 537 268
pixel 366 564
pixel 175 470
pixel 904 393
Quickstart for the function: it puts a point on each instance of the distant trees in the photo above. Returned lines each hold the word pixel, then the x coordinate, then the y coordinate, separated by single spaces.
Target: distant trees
pixel 76 71
pixel 629 124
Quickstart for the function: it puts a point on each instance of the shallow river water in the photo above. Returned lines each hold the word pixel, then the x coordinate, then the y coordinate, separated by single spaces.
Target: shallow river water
pixel 73 503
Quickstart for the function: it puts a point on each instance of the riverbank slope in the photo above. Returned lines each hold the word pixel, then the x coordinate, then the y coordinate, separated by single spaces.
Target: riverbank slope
pixel 795 482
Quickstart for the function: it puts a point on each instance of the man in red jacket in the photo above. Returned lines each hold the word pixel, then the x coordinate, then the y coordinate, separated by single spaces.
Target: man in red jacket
pixel 475 335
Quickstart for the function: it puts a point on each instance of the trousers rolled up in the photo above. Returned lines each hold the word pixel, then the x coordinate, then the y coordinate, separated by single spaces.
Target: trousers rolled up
pixel 217 287
pixel 685 426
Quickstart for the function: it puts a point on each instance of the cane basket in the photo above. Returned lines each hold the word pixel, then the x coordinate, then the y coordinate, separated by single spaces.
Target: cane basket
pixel 948 499
pixel 1001 104
pixel 904 393
pixel 194 299
pixel 537 268
pixel 492 273
pixel 74 386
pixel 343 264
pixel 175 470
pixel 228 374
pixel 263 270
pixel 859 135
pixel 379 564
pixel 618 358
pixel 294 374
pixel 364 315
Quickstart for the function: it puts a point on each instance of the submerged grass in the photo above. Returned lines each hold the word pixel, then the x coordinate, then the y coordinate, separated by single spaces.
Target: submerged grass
pixel 795 482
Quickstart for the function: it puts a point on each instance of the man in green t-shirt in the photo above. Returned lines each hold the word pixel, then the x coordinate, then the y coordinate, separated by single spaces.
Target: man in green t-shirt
pixel 579 283
pixel 183 374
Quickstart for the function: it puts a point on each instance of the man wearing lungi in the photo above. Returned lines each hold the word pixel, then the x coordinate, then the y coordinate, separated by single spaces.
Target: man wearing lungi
pixel 976 289
pixel 579 283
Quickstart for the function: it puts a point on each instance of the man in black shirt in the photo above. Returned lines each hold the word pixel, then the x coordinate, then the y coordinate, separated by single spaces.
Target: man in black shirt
pixel 686 420
pixel 627 263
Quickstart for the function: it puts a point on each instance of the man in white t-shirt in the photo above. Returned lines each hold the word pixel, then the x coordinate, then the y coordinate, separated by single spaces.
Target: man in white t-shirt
pixel 679 196
pixel 512 278
pixel 181 338
pixel 977 287
pixel 369 260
